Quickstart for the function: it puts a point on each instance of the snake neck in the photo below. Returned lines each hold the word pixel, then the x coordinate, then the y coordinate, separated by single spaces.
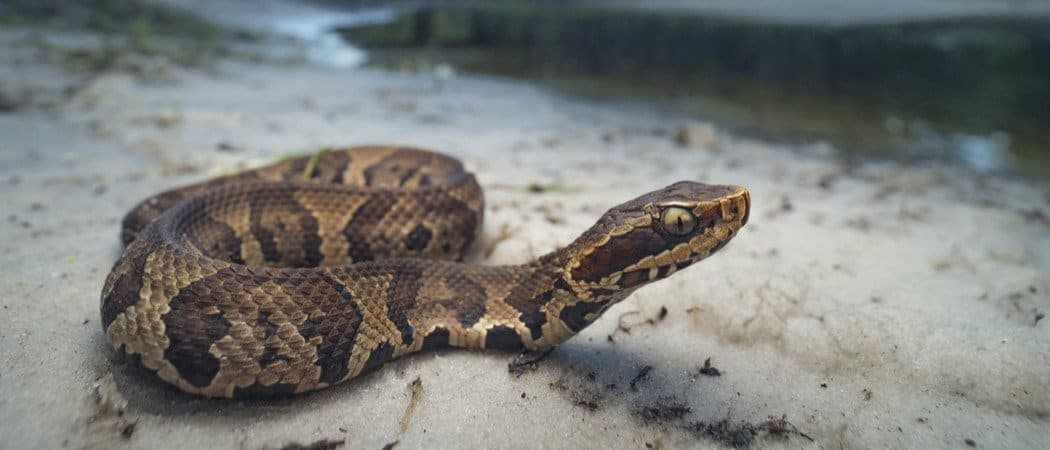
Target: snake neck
pixel 557 307
pixel 533 305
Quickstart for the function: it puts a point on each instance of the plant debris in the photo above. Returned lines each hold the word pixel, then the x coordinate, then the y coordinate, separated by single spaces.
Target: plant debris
pixel 528 361
pixel 110 409
pixel 579 396
pixel 665 409
pixel 642 374
pixel 669 411
pixel 625 327
pixel 505 232
pixel 586 399
pixel 709 370
pixel 742 435
pixel 416 387
pixel 323 444
pixel 128 430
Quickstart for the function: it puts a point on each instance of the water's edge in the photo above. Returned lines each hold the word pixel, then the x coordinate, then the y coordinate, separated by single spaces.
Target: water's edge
pixel 967 91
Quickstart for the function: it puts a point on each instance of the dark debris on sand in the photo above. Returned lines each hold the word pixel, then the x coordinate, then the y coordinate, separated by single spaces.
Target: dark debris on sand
pixel 323 444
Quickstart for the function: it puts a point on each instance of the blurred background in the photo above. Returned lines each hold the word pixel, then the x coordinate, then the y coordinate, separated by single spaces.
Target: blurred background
pixel 965 82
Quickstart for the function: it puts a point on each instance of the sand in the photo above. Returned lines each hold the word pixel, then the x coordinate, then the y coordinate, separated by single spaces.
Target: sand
pixel 863 306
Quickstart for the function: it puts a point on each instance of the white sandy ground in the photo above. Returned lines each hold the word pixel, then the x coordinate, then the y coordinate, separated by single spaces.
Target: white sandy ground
pixel 870 306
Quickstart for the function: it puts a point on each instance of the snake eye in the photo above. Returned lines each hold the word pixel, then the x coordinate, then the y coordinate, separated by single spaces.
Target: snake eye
pixel 678 221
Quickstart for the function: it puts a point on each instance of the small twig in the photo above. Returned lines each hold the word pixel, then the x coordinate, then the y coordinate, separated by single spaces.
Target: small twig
pixel 642 374
pixel 417 391
pixel 626 327
pixel 709 370
pixel 505 232
pixel 528 361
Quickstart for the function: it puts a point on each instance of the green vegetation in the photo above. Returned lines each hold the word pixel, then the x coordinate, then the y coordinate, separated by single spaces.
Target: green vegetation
pixel 134 27
pixel 841 84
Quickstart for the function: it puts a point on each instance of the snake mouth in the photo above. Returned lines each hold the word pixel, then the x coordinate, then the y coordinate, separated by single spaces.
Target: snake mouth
pixel 731 212
pixel 653 268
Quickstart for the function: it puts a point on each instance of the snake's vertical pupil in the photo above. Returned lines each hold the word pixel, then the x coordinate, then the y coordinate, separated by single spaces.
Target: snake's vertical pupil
pixel 678 221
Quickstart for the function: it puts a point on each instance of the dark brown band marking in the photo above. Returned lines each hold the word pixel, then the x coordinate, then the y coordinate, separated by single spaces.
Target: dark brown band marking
pixel 466 304
pixel 257 390
pixel 401 298
pixel 418 238
pixel 125 291
pixel 525 299
pixel 287 232
pixel 503 337
pixel 436 339
pixel 393 170
pixel 216 239
pixel 378 357
pixel 338 325
pixel 333 166
pixel 191 330
pixel 296 168
pixel 574 316
pixel 464 221
pixel 360 229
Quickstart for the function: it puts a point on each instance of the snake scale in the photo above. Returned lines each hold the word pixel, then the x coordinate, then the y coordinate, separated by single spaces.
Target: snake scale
pixel 314 270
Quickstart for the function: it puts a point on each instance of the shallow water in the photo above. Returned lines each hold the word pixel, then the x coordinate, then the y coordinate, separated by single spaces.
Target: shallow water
pixel 311 24
pixel 965 91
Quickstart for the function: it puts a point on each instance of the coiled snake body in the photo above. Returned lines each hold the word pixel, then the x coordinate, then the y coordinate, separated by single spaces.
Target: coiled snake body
pixel 312 271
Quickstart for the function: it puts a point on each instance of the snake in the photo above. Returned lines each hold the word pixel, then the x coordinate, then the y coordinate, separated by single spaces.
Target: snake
pixel 316 269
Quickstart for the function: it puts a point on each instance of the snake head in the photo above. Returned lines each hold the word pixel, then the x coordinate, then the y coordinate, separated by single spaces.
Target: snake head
pixel 655 235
